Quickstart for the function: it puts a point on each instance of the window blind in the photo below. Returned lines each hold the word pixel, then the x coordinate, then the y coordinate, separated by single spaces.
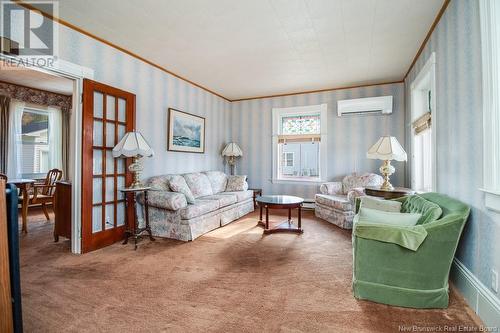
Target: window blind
pixel 422 123
pixel 284 138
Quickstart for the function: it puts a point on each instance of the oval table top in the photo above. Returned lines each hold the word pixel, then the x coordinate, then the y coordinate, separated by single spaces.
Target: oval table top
pixel 279 200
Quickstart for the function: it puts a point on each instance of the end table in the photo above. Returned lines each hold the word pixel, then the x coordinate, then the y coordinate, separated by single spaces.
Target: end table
pixel 397 192
pixel 257 192
pixel 135 231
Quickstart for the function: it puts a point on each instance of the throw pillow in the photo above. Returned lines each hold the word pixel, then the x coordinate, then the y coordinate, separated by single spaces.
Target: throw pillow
pixel 236 183
pixel 377 216
pixel 198 184
pixel 178 184
pixel 416 204
pixel 379 204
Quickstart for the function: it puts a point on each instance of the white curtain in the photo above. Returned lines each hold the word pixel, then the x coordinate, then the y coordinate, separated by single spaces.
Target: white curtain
pixel 14 158
pixel 55 138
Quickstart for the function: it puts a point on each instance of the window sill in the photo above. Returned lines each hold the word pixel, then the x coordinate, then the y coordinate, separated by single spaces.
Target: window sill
pixel 491 199
pixel 298 181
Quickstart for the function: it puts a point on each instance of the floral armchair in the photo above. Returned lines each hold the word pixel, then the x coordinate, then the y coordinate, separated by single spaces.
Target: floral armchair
pixel 336 202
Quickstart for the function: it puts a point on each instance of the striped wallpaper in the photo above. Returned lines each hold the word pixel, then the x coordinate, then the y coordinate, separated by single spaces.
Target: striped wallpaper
pixel 155 92
pixel 349 137
pixel 456 41
pixel 457 44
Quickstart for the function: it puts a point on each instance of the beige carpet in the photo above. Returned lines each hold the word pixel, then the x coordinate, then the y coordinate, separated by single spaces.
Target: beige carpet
pixel 230 280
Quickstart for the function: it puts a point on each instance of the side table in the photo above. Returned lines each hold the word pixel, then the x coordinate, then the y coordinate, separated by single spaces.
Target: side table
pixel 257 192
pixel 135 231
pixel 397 192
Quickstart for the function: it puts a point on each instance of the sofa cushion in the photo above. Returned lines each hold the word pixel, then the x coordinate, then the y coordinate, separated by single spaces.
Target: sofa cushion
pixel 178 184
pixel 368 215
pixel 236 183
pixel 198 184
pixel 218 180
pixel 339 202
pixel 224 200
pixel 240 195
pixel 200 207
pixel 380 204
pixel 416 204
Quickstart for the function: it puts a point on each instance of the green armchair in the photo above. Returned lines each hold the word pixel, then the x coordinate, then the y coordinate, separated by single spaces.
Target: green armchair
pixel 409 266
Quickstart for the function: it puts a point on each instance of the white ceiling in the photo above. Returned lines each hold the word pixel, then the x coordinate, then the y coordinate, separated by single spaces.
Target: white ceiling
pixel 246 48
pixel 38 80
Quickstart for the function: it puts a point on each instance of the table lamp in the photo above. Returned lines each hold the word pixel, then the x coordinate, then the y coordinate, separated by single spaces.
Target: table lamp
pixel 387 148
pixel 133 145
pixel 232 151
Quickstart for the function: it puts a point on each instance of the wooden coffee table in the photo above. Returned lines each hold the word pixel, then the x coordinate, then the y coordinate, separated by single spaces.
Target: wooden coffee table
pixel 280 202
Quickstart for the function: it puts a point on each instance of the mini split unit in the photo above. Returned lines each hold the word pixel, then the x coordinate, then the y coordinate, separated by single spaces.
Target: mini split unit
pixel 360 106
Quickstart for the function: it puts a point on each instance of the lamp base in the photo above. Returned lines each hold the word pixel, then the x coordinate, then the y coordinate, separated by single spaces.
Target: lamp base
pixel 231 161
pixel 387 170
pixel 136 169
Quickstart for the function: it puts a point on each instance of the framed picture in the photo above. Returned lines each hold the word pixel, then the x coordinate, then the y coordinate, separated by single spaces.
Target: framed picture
pixel 186 132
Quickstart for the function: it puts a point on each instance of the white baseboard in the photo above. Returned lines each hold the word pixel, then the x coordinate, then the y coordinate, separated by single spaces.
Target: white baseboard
pixel 478 296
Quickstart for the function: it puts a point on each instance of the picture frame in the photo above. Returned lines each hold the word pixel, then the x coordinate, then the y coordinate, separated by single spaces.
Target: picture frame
pixel 186 132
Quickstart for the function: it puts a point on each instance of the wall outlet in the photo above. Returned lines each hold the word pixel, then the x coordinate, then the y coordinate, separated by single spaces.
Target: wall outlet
pixel 494 280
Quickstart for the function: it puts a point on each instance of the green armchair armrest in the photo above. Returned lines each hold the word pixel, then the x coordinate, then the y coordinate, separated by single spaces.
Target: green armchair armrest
pixel 409 237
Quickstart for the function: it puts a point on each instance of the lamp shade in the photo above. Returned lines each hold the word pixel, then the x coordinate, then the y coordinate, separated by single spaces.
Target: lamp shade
pixel 387 148
pixel 132 144
pixel 232 149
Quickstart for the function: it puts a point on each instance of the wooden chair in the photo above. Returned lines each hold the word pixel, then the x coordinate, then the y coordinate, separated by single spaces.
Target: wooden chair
pixel 4 177
pixel 43 193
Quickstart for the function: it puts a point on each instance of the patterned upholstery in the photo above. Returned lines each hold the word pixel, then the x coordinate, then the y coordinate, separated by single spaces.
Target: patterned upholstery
pixel 180 216
pixel 198 184
pixel 336 202
pixel 200 207
pixel 240 195
pixel 218 180
pixel 223 199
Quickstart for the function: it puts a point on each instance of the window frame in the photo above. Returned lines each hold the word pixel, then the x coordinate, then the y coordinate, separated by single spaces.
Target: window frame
pixel 277 114
pixel 37 110
pixel 428 72
pixel 490 36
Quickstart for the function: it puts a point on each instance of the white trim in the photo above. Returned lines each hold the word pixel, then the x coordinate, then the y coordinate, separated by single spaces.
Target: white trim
pixel 490 47
pixel 76 73
pixel 480 298
pixel 428 69
pixel 323 152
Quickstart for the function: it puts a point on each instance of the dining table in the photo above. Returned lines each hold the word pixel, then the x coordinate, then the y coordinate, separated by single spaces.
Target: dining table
pixel 23 184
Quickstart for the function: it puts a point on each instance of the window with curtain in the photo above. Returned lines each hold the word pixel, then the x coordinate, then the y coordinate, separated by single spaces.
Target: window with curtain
pixel 36 141
pixel 299 141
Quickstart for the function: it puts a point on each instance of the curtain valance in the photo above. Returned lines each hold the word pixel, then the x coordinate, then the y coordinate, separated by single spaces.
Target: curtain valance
pixel 36 96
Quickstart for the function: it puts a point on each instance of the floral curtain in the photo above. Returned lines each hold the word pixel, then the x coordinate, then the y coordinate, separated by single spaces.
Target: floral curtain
pixel 36 96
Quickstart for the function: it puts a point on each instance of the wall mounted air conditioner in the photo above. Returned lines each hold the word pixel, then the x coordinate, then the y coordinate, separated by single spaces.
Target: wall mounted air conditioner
pixel 370 105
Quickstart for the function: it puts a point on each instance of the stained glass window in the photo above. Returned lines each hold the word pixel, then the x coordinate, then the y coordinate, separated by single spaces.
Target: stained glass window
pixel 308 124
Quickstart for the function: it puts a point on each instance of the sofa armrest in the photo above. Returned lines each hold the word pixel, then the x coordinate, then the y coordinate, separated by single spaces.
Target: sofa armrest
pixel 331 188
pixel 164 200
pixel 409 237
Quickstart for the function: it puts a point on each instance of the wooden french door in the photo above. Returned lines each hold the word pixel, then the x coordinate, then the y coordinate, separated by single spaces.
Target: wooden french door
pixel 108 113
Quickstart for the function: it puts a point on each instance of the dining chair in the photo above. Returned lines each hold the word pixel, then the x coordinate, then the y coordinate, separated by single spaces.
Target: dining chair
pixel 43 193
pixel 4 177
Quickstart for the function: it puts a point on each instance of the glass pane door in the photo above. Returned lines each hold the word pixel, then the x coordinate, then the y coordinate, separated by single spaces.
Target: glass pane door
pixel 108 115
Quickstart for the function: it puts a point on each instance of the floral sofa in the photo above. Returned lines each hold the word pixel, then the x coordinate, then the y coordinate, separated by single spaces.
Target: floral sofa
pixel 203 201
pixel 336 202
